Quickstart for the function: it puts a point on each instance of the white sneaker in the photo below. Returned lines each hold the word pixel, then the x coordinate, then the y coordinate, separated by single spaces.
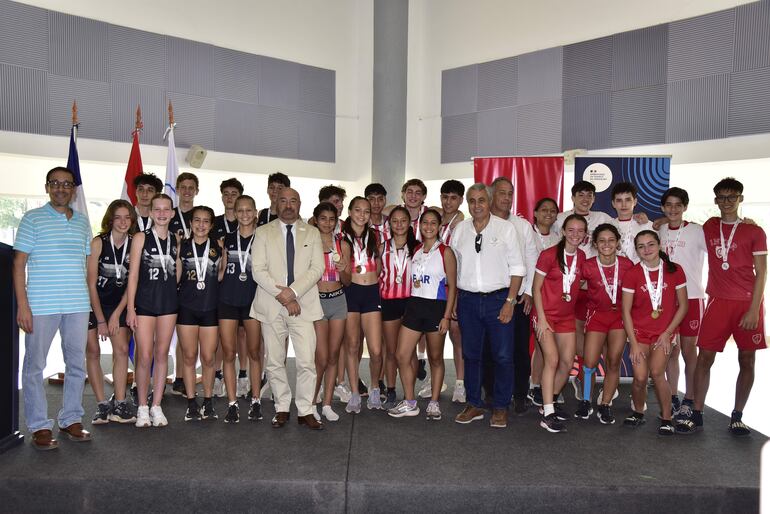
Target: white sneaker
pixel 403 409
pixel 158 419
pixel 601 392
pixel 243 387
pixel 143 417
pixel 426 391
pixel 342 391
pixel 219 387
pixel 329 413
pixel 316 415
pixel 433 411
pixel 459 394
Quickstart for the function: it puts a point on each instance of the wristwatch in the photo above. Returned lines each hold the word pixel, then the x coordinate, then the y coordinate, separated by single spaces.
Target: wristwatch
pixel 510 299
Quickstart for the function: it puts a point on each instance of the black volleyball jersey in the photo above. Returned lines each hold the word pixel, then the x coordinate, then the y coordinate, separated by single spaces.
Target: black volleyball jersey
pixel 223 226
pixel 182 230
pixel 265 217
pixel 189 295
pixel 234 291
pixel 113 271
pixel 156 290
pixel 143 222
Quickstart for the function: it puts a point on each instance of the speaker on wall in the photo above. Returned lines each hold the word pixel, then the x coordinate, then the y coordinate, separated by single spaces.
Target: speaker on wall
pixel 195 156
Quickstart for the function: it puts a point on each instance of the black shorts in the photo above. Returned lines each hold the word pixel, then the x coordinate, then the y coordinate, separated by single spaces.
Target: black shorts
pixel 363 299
pixel 423 315
pixel 188 316
pixel 145 312
pixel 393 309
pixel 107 310
pixel 225 311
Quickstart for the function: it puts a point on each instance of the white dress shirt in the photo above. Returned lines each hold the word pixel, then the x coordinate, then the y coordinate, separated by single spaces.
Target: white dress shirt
pixel 500 258
pixel 529 250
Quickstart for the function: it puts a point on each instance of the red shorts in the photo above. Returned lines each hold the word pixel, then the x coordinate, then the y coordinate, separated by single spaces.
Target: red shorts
pixel 720 321
pixel 690 325
pixel 559 326
pixel 581 304
pixel 648 338
pixel 603 321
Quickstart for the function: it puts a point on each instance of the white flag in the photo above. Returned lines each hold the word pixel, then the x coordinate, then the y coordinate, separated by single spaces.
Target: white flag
pixel 172 168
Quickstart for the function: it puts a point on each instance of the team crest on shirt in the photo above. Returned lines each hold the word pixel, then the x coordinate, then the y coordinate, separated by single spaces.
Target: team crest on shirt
pixel 756 338
pixel 694 324
pixel 212 253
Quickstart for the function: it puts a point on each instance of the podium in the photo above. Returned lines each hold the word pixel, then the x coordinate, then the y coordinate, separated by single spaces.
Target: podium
pixel 9 355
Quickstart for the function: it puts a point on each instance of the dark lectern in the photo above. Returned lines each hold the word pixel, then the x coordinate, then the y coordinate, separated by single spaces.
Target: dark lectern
pixel 9 355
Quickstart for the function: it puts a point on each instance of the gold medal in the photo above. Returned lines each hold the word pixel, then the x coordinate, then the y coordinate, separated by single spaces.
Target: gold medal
pixel 417 284
pixel 336 257
pixel 566 297
pixel 360 270
pixel 655 314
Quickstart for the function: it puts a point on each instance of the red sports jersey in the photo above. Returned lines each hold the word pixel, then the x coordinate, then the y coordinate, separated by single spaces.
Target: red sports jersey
pixel 330 273
pixel 389 288
pixel 737 282
pixel 641 310
pixel 554 305
pixel 382 229
pixel 598 298
pixel 359 244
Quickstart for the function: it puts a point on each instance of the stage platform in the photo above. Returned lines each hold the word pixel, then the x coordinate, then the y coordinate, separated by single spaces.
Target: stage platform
pixel 374 463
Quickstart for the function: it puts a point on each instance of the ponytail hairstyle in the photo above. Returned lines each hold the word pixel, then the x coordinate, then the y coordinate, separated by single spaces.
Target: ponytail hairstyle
pixel 350 235
pixel 563 241
pixel 605 227
pixel 670 266
pixel 411 240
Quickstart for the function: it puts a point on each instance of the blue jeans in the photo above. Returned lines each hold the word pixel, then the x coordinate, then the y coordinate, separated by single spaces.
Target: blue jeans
pixel 477 315
pixel 73 329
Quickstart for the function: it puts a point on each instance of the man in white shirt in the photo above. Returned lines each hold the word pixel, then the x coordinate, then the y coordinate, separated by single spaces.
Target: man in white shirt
pixel 490 269
pixel 502 202
pixel 624 201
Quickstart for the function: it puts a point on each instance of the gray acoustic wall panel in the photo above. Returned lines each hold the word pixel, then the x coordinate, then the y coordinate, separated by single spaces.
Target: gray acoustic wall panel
pixel 237 127
pixel 497 132
pixel 195 120
pixel 125 98
pixel 236 75
pixel 316 90
pixel 459 137
pixel 638 116
pixel 639 58
pixel 94 106
pixel 752 36
pixel 137 57
pixel 586 122
pixel 316 137
pixel 459 90
pixel 278 132
pixel 697 109
pixel 190 67
pixel 23 35
pixel 539 128
pixel 21 108
pixel 587 67
pixel 749 102
pixel 539 76
pixel 279 83
pixel 497 84
pixel 701 46
pixel 78 47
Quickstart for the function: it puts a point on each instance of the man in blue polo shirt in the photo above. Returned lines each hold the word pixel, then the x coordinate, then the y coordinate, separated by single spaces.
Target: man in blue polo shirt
pixel 49 274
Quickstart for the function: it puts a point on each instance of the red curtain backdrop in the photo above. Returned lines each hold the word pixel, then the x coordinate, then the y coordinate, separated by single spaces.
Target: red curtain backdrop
pixel 533 178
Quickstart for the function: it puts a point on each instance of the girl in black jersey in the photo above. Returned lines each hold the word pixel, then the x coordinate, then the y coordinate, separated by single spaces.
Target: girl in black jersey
pixel 107 270
pixel 152 307
pixel 236 293
pixel 198 271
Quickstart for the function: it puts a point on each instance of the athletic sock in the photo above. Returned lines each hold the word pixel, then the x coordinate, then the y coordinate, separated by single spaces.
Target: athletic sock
pixel 411 403
pixel 255 400
pixel 104 402
pixel 391 390
pixel 421 356
pixel 548 409
pixel 697 416
pixel 218 374
pixel 587 372
pixel 242 373
pixel 235 402
pixel 688 401
pixel 191 402
pixel 736 415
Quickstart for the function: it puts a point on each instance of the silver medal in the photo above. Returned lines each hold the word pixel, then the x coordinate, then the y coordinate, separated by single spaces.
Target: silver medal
pixel 725 266
pixel 201 286
pixel 398 280
pixel 242 277
pixel 119 283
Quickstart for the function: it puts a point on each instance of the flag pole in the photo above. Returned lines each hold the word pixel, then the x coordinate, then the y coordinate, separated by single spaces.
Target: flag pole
pixel 139 125
pixel 75 121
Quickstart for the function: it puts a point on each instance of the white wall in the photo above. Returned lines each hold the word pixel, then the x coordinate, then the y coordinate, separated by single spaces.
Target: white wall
pixel 335 34
pixel 450 33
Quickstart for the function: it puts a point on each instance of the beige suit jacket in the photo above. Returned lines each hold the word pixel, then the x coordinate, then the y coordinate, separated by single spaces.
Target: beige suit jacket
pixel 268 258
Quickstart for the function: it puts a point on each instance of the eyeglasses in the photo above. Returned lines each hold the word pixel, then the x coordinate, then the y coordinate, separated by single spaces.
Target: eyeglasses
pixel 478 243
pixel 66 184
pixel 727 198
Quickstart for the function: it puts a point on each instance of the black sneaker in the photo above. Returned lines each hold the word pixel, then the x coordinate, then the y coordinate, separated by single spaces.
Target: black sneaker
pixel 255 411
pixel 738 428
pixel 207 411
pixel 584 410
pixel 363 391
pixel 233 416
pixel 122 412
pixel 666 428
pixel 561 414
pixel 552 424
pixel 102 414
pixel 135 395
pixel 177 388
pixel 535 395
pixel 383 390
pixel 520 406
pixel 604 413
pixel 421 372
pixel 635 419
pixel 193 411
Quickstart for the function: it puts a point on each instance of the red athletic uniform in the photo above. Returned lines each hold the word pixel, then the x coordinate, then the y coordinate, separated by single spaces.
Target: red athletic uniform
pixel 559 312
pixel 601 315
pixel 647 328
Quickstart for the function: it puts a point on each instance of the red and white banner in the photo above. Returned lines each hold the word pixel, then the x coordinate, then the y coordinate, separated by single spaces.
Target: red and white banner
pixel 533 178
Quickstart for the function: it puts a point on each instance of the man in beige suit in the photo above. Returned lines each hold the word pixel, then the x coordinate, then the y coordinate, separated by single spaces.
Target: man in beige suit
pixel 287 262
